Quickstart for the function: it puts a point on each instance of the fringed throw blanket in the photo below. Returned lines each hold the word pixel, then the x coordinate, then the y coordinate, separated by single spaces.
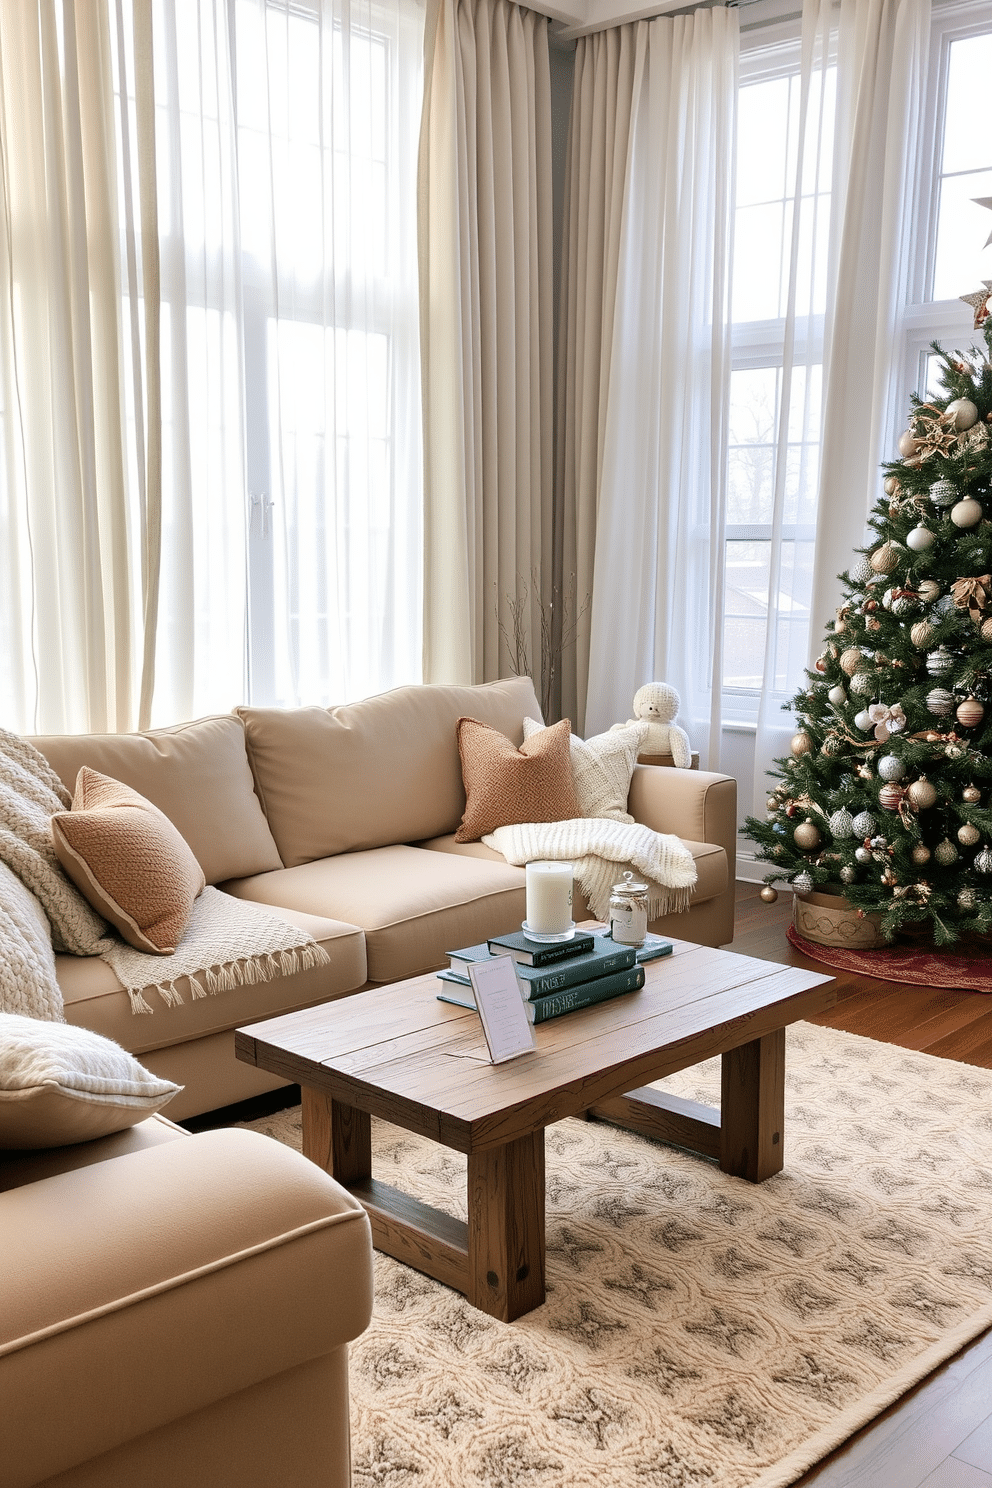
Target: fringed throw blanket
pixel 228 942
pixel 600 850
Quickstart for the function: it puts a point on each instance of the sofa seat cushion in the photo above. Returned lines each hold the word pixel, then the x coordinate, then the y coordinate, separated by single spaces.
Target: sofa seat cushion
pixel 197 774
pixel 95 999
pixel 414 906
pixel 195 1269
pixel 710 861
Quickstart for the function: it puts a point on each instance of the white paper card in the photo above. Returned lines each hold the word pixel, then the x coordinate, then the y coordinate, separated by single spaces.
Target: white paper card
pixel 504 1019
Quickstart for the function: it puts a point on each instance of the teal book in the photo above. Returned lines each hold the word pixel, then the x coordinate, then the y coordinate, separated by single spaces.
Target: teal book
pixel 538 981
pixel 587 994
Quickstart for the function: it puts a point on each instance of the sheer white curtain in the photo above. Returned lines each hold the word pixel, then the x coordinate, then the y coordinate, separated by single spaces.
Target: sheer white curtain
pixel 209 370
pixel 854 142
pixel 74 471
pixel 658 577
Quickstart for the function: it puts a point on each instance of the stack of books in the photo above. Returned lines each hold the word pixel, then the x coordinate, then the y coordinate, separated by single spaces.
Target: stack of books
pixel 559 977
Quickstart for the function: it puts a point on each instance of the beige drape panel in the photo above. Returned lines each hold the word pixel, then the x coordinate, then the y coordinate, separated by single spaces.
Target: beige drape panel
pixel 71 616
pixel 598 149
pixel 485 234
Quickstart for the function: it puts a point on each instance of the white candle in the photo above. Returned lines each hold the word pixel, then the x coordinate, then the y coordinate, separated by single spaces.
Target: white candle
pixel 549 898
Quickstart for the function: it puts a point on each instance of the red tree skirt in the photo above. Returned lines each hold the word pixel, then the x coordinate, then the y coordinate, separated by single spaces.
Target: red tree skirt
pixel 970 968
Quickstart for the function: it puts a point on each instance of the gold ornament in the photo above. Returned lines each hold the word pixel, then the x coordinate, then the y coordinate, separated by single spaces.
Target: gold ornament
pixel 921 795
pixel 772 804
pixel 769 894
pixel 889 878
pixel 929 590
pixel 920 854
pixel 971 794
pixel 970 712
pixel 802 743
pixel 986 631
pixel 968 835
pixel 885 558
pixel 908 444
pixel 966 513
pixel 850 660
pixel 922 634
pixel 961 413
pixel 806 836
pixel 891 485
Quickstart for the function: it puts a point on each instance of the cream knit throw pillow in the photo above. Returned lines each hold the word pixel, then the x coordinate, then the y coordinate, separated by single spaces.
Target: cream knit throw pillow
pixel 601 769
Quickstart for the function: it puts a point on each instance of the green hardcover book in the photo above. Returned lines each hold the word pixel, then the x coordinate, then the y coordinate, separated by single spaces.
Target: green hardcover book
pixel 538 981
pixel 529 952
pixel 603 989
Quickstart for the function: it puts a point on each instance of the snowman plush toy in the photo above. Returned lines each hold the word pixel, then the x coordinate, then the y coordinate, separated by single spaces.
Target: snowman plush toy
pixel 656 704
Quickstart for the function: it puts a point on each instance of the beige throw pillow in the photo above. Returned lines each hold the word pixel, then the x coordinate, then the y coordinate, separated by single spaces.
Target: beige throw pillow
pixel 601 768
pixel 505 785
pixel 60 1085
pixel 129 861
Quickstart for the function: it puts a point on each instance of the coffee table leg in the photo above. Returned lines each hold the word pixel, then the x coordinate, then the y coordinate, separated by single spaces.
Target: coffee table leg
pixel 506 1228
pixel 752 1108
pixel 337 1138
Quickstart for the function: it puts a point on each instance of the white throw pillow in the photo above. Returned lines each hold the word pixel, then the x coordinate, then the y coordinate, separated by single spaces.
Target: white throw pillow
pixel 601 769
pixel 60 1085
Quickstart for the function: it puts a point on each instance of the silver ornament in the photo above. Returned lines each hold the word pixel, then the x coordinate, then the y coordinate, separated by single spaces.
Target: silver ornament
pixel 863 721
pixel 861 571
pixel 863 824
pixel 955 751
pixel 945 606
pixel 891 767
pixel 940 662
pixel 862 683
pixel 983 861
pixel 946 853
pixel 878 843
pixel 841 824
pixel 848 874
pixel 967 899
pixel 802 883
pixel 943 493
pixel 940 701
pixel 837 695
pixel 862 854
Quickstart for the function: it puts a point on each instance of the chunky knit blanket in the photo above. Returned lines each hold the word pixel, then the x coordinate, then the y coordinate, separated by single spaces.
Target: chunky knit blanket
pixel 600 850
pixel 228 942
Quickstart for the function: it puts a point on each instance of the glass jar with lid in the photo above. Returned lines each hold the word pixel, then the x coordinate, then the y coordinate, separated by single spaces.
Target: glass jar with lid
pixel 629 911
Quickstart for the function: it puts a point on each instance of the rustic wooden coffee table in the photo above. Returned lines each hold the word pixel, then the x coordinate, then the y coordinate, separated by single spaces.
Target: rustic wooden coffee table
pixel 397 1053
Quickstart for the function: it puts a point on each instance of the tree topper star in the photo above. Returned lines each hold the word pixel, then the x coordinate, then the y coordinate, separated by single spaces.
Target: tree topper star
pixel 979 301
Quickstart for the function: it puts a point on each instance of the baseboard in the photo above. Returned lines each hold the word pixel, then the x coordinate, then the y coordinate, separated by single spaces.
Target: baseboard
pixel 750 869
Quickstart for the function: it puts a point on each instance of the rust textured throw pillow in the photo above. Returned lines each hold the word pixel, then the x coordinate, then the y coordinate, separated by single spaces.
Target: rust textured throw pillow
pixel 129 861
pixel 505 785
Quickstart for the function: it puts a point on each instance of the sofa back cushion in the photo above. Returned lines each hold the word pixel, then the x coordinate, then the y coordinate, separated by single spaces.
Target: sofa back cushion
pixel 197 774
pixel 385 770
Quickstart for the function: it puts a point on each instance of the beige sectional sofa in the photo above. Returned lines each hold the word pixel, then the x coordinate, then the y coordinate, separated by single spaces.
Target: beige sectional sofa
pixel 342 820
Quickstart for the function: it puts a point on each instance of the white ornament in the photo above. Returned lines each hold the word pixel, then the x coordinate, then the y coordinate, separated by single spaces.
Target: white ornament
pixel 848 874
pixel 802 883
pixel 966 513
pixel 863 721
pixel 940 701
pixel 837 696
pixel 919 539
pixel 940 662
pixel 861 571
pixel 962 413
pixel 863 683
pixel 862 854
pixel 891 767
pixel 863 824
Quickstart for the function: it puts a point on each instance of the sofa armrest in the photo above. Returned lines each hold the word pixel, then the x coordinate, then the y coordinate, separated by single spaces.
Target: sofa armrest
pixel 141 1289
pixel 698 805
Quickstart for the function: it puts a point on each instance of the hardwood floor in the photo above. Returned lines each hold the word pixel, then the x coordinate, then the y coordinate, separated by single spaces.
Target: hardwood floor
pixel 940 1434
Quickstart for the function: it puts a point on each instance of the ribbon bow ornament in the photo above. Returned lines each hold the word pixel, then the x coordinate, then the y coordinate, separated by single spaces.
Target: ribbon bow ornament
pixel 972 595
pixel 886 720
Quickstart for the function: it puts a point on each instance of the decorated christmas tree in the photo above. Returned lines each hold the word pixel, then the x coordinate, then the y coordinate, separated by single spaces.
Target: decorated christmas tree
pixel 887 795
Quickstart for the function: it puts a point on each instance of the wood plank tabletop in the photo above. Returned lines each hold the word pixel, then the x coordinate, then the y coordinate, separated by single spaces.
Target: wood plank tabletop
pixel 398 1053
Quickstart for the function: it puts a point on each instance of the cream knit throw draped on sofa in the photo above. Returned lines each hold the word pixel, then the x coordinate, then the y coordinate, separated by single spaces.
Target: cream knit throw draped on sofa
pixel 228 942
pixel 601 849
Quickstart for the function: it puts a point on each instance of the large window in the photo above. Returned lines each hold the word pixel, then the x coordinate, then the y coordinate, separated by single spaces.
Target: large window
pixel 946 259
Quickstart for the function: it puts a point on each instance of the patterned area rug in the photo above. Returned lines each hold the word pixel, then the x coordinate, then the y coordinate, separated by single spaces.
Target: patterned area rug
pixel 969 969
pixel 699 1331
